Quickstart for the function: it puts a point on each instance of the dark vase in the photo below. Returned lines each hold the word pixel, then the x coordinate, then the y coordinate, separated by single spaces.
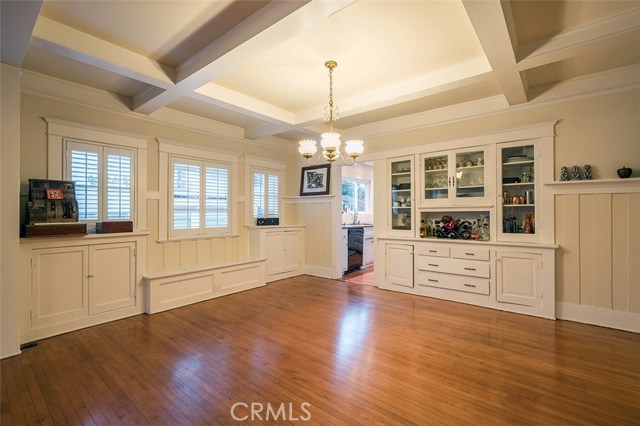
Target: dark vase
pixel 624 172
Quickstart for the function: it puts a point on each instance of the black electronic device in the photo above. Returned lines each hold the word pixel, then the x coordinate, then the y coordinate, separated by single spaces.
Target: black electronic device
pixel 267 221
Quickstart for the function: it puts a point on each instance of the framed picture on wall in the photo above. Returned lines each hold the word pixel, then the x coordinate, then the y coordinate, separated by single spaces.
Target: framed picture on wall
pixel 315 180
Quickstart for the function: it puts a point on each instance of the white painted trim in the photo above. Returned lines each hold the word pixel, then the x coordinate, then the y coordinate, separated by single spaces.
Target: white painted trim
pixel 167 149
pixel 265 163
pixel 534 131
pixel 197 152
pixel 58 131
pixel 626 321
pixel 85 132
pixel 61 90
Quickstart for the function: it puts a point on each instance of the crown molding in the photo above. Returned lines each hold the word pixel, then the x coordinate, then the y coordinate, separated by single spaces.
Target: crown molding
pixel 60 90
pixel 577 88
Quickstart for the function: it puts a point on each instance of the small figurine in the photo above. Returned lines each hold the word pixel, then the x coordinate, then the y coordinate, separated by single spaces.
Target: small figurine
pixel 575 173
pixel 532 173
pixel 564 173
pixel 587 172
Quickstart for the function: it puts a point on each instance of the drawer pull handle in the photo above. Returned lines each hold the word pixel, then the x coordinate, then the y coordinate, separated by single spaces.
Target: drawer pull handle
pixel 433 281
pixel 469 269
pixel 470 254
pixel 433 251
pixel 469 285
pixel 433 264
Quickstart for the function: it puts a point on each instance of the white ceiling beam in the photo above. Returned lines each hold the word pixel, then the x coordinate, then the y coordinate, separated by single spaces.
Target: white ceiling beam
pixel 270 129
pixel 17 19
pixel 77 45
pixel 270 26
pixel 613 31
pixel 493 24
pixel 223 97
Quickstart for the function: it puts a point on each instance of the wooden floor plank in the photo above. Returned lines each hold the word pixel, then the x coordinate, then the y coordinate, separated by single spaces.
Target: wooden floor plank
pixel 358 355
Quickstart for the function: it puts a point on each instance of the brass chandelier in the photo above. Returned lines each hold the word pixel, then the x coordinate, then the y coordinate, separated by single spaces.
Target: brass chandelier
pixel 330 141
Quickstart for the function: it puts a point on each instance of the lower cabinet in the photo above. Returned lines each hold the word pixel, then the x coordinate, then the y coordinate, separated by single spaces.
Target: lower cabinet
pixel 66 285
pixel 517 279
pixel 282 247
pixel 399 265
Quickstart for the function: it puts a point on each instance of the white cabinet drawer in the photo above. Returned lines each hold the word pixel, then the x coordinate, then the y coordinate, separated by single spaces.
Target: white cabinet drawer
pixel 470 253
pixel 453 266
pixel 432 250
pixel 453 282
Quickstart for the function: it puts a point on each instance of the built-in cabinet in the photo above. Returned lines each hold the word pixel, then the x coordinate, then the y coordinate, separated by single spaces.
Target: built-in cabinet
pixel 282 247
pixel 516 279
pixel 517 215
pixel 400 187
pixel 456 177
pixel 399 265
pixel 494 244
pixel 519 277
pixel 72 283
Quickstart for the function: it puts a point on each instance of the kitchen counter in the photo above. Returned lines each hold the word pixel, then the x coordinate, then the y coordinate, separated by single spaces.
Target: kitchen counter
pixel 364 225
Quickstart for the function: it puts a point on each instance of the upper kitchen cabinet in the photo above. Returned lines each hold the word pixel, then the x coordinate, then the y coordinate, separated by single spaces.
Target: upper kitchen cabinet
pixel 400 171
pixel 456 178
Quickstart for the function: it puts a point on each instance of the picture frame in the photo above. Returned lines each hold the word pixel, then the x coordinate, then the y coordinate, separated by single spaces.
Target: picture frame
pixel 315 180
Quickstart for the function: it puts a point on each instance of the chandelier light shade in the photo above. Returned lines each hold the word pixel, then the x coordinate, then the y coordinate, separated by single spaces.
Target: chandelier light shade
pixel 330 141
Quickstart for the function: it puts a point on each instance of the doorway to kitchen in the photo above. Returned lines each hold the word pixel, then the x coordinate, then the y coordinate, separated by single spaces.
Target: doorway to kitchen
pixel 357 218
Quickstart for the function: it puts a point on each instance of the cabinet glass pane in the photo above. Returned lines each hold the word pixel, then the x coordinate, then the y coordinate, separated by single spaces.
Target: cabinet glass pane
pixel 518 190
pixel 470 174
pixel 436 177
pixel 401 195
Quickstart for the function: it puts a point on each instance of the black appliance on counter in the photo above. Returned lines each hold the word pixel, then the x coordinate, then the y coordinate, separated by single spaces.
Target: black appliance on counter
pixel 52 209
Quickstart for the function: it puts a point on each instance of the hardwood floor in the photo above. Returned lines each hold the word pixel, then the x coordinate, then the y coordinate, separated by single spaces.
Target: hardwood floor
pixel 355 354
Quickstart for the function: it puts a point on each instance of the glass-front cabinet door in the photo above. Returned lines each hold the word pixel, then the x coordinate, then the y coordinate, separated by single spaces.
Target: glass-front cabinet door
pixel 454 178
pixel 517 183
pixel 401 196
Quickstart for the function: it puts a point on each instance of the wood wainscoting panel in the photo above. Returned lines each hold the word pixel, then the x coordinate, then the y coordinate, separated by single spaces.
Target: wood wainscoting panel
pixel 598 263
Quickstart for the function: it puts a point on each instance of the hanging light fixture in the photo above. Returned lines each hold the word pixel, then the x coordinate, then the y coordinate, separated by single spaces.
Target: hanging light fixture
pixel 330 141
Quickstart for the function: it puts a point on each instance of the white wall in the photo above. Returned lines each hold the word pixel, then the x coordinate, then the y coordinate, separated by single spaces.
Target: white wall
pixel 9 211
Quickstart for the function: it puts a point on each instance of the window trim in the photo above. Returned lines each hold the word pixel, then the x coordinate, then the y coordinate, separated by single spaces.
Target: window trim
pixel 169 150
pixel 275 167
pixel 59 131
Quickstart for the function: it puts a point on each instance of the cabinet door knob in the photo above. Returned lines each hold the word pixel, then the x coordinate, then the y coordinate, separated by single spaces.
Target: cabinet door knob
pixel 89 276
pixel 469 269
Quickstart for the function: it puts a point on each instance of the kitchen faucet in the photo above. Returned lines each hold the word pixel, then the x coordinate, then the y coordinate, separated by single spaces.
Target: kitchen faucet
pixel 355 218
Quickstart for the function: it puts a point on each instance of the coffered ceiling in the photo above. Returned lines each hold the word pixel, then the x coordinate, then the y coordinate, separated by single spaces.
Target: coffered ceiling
pixel 259 65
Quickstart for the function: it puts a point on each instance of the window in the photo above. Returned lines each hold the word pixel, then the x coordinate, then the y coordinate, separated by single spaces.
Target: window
pixel 103 175
pixel 199 197
pixel 266 193
pixel 355 195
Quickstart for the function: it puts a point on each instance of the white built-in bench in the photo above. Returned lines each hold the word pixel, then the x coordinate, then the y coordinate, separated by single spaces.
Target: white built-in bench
pixel 170 289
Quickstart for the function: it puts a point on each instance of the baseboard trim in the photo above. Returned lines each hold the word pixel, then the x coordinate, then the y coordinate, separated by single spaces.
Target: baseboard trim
pixel 320 271
pixel 626 321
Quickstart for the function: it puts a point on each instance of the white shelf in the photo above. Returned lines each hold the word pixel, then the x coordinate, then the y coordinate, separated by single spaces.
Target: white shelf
pixel 437 171
pixel 519 184
pixel 470 187
pixel 401 190
pixel 470 167
pixel 436 189
pixel 595 186
pixel 518 163
pixel 401 174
